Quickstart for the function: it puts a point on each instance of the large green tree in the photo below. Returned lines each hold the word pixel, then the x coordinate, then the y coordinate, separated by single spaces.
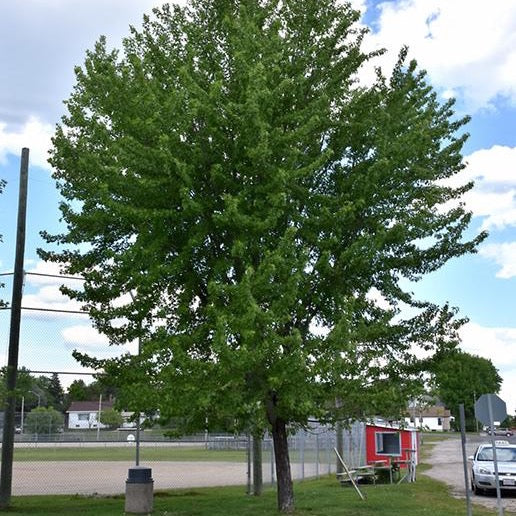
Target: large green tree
pixel 462 378
pixel 232 196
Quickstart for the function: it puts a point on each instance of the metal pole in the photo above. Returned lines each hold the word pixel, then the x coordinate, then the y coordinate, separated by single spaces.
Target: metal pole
pixel 249 461
pixel 137 458
pixel 302 454
pixel 495 459
pixel 6 472
pixel 464 459
pixel 98 418
pixel 317 456
pixel 138 415
pixel 273 480
pixel 22 412
pixel 339 432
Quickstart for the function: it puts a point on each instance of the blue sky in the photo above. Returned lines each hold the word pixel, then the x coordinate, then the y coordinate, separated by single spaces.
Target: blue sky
pixel 469 52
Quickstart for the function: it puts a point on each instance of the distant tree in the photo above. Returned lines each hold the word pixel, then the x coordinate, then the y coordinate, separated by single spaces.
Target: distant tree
pixel 25 383
pixel 43 420
pixel 111 418
pixel 101 386
pixel 461 377
pixel 227 178
pixel 56 392
pixel 77 391
pixel 510 421
pixel 80 391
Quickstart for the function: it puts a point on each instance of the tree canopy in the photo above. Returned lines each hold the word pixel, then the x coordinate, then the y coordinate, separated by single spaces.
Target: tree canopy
pixel 233 197
pixel 44 420
pixel 80 391
pixel 111 418
pixel 462 378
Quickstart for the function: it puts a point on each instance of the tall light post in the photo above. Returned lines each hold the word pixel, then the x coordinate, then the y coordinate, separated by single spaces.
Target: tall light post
pixel 137 458
pixel 137 451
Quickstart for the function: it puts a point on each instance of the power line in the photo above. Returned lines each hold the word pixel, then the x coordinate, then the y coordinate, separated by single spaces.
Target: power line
pixel 55 276
pixel 54 310
pixel 59 372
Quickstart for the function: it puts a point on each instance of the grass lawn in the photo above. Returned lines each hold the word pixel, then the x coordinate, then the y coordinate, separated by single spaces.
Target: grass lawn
pixel 323 497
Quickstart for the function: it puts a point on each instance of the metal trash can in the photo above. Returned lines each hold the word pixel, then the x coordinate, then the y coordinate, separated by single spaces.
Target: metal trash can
pixel 139 491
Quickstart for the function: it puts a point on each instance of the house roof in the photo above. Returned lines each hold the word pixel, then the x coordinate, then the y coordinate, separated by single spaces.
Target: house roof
pixel 89 406
pixel 435 411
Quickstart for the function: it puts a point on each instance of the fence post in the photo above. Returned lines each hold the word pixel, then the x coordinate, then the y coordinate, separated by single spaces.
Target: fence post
pixel 328 452
pixel 249 459
pixel 302 454
pixel 273 480
pixel 317 455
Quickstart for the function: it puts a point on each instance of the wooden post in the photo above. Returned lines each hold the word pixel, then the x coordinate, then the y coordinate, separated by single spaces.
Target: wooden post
pixel 6 472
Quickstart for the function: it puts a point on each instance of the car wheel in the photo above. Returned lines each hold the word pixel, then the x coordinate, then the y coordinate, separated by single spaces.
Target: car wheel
pixel 476 490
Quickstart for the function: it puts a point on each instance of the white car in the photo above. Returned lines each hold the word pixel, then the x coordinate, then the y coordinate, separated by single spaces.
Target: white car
pixel 482 467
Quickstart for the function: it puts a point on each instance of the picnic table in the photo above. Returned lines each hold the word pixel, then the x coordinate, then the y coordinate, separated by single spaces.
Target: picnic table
pixel 367 471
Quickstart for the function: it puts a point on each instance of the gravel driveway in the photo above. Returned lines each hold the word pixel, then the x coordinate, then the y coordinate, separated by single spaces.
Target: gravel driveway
pixel 108 477
pixel 446 461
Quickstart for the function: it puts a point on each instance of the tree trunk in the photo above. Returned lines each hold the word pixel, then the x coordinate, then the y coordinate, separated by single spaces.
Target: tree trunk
pixel 285 488
pixel 257 464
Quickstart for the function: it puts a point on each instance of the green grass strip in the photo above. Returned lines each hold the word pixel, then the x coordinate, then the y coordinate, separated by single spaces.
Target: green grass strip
pixel 323 497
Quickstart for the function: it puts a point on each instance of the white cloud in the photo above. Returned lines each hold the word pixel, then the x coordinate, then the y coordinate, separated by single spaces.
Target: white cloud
pixel 40 44
pixel 498 345
pixel 468 48
pixel 33 134
pixel 48 273
pixel 43 279
pixel 493 196
pixel 504 255
pixel 86 339
pixel 85 336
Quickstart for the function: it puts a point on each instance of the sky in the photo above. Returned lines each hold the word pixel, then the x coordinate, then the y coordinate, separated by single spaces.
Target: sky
pixel 467 48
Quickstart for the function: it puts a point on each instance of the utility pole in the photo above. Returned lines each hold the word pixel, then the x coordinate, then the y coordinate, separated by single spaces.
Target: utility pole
pixel 6 471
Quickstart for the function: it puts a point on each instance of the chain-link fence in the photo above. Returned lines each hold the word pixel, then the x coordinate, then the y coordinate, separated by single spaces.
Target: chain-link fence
pixel 53 456
pixel 76 462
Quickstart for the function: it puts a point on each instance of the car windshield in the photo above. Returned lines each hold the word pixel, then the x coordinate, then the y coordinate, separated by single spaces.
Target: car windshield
pixel 502 454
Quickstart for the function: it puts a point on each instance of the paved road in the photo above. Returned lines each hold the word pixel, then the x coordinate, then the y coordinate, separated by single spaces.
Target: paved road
pixel 446 461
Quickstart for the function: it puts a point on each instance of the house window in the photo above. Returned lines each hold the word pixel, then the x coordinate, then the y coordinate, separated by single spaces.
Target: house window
pixel 439 421
pixel 388 443
pixel 83 417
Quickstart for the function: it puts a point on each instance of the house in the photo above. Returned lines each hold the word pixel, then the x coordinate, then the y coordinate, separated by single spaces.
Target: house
pixel 435 418
pixel 85 414
pixel 391 443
